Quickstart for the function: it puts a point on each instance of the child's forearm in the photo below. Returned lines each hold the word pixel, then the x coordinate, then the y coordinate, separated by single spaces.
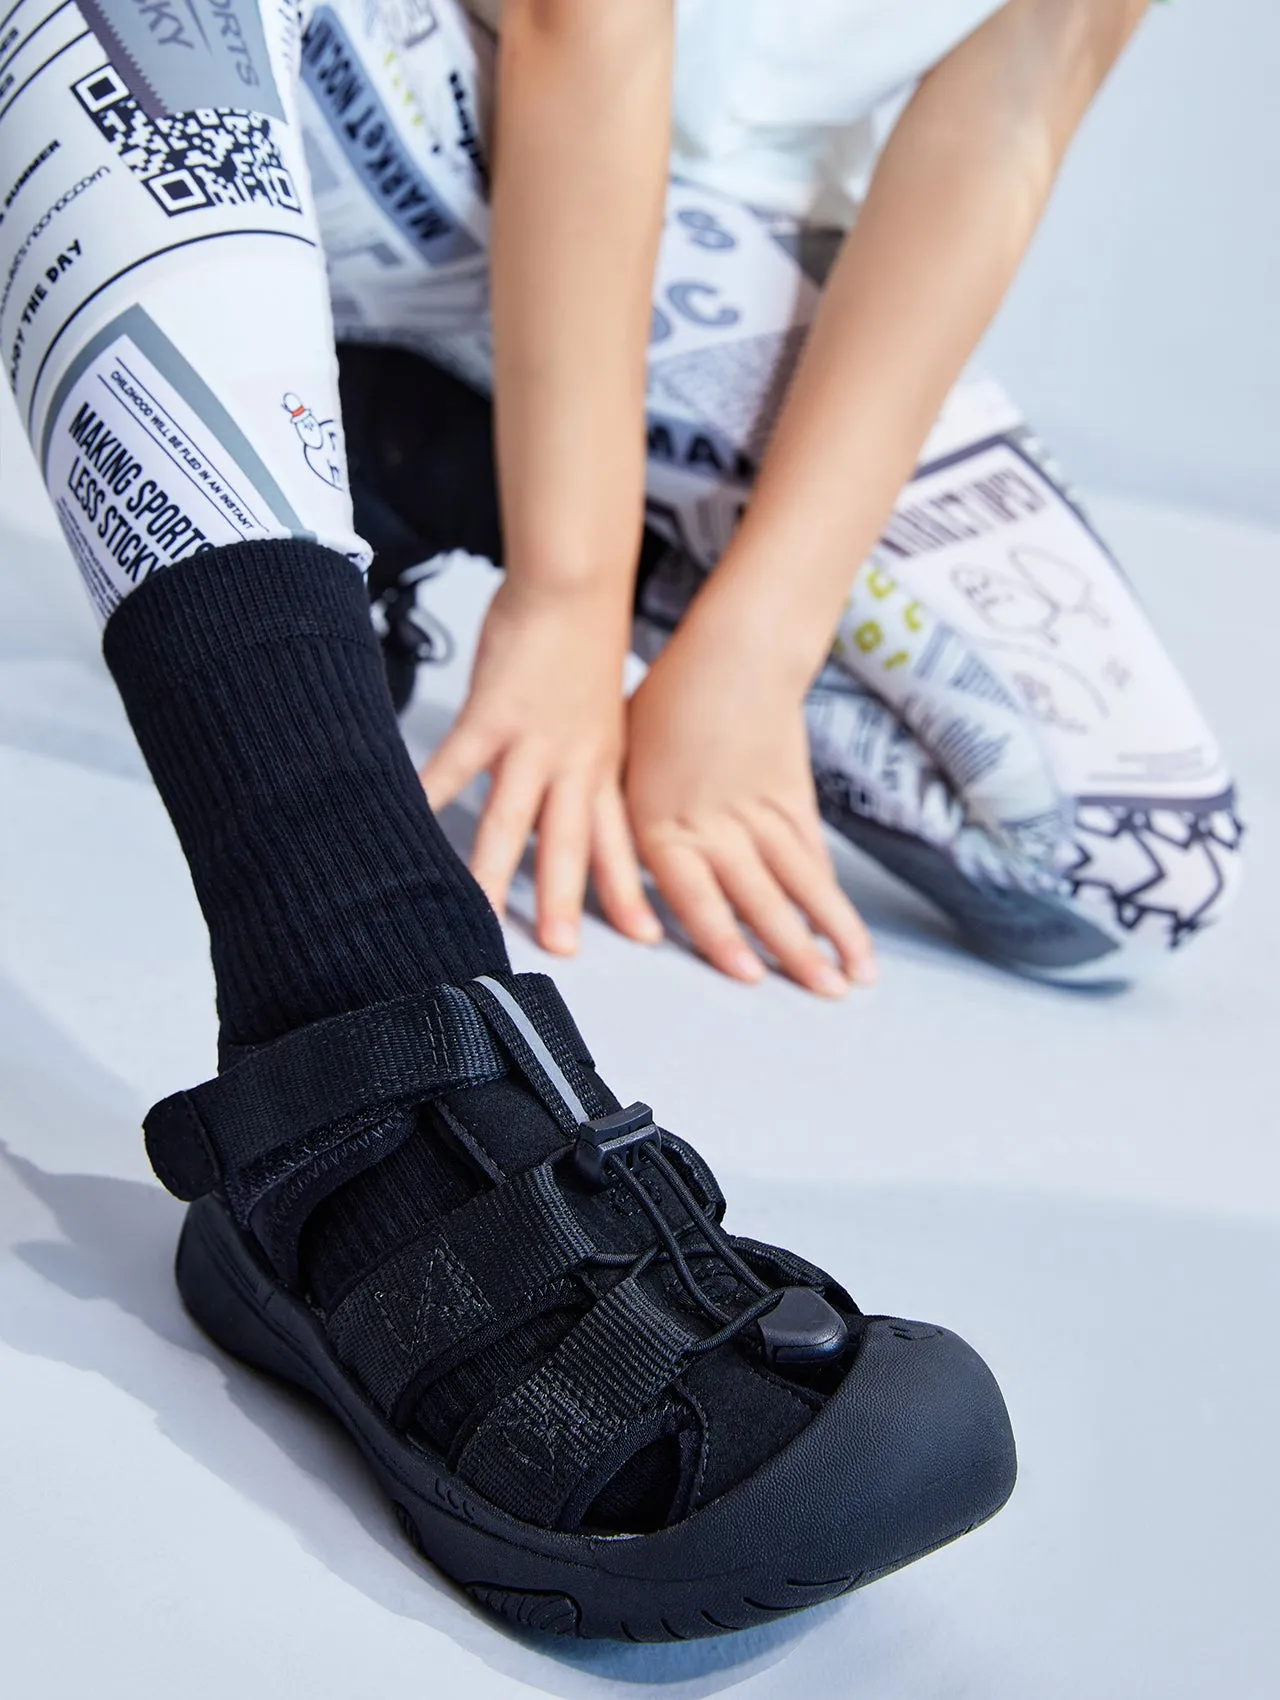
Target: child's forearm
pixel 583 131
pixel 953 205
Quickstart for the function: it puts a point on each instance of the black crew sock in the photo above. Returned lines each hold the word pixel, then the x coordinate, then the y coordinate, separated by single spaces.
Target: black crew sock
pixel 255 686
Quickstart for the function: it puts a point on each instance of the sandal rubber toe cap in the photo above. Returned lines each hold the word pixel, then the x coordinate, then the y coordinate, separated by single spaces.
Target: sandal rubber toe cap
pixel 914 1449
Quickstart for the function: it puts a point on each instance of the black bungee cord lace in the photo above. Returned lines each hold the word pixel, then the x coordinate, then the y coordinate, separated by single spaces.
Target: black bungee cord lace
pixel 716 1245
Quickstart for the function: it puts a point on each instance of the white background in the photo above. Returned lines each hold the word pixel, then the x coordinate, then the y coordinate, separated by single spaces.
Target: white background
pixel 1144 333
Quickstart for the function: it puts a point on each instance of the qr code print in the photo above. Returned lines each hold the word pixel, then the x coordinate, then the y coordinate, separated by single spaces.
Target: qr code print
pixel 214 157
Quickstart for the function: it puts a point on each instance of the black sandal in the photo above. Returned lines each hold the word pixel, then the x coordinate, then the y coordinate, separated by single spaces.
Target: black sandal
pixel 590 1405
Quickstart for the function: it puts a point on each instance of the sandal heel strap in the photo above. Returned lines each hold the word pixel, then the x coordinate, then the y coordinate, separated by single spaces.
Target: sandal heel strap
pixel 410 1050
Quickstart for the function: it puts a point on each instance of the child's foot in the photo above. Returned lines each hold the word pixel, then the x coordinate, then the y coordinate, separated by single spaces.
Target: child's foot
pixel 591 1406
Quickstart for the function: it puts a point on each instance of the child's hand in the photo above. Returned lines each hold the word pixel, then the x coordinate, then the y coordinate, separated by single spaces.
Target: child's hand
pixel 545 718
pixel 722 806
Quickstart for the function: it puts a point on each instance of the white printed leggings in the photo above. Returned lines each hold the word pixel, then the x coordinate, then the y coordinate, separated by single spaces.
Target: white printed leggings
pixel 197 197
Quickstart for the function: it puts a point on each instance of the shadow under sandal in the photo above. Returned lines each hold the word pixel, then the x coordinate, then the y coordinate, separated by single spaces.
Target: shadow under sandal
pixel 591 1406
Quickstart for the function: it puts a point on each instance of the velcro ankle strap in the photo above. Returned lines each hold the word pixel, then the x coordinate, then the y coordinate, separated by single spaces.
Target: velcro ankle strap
pixel 414 1049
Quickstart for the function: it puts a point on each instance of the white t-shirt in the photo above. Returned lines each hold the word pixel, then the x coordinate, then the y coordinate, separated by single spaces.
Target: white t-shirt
pixel 775 101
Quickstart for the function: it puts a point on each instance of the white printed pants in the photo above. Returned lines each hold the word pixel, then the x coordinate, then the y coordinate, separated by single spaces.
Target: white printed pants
pixel 196 199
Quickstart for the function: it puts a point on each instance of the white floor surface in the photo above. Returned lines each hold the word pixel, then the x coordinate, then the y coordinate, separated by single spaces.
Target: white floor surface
pixel 1086 1186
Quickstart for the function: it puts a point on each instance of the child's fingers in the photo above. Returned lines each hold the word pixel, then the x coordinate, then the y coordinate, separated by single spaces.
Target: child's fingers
pixel 766 908
pixel 514 800
pixel 617 872
pixel 808 880
pixel 461 755
pixel 686 881
pixel 564 848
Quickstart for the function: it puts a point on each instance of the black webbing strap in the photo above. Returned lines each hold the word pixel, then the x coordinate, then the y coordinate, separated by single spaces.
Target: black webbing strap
pixel 531 1018
pixel 485 1262
pixel 531 1452
pixel 415 1048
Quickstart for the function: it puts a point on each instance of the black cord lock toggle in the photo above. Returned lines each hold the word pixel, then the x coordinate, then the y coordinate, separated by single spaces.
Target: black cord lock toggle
pixel 802 1328
pixel 607 1136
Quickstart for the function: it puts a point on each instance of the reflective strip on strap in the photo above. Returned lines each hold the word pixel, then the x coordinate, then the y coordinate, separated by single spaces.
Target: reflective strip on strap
pixel 529 1016
pixel 414 1048
pixel 485 1262
pixel 531 1036
pixel 532 1450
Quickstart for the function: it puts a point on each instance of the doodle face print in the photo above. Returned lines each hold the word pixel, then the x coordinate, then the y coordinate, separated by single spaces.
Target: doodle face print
pixel 321 443
pixel 1006 604
pixel 1041 702
pixel 1060 582
pixel 1047 591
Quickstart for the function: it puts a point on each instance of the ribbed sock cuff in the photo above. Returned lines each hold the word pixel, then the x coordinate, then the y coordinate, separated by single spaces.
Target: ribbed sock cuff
pixel 227 602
